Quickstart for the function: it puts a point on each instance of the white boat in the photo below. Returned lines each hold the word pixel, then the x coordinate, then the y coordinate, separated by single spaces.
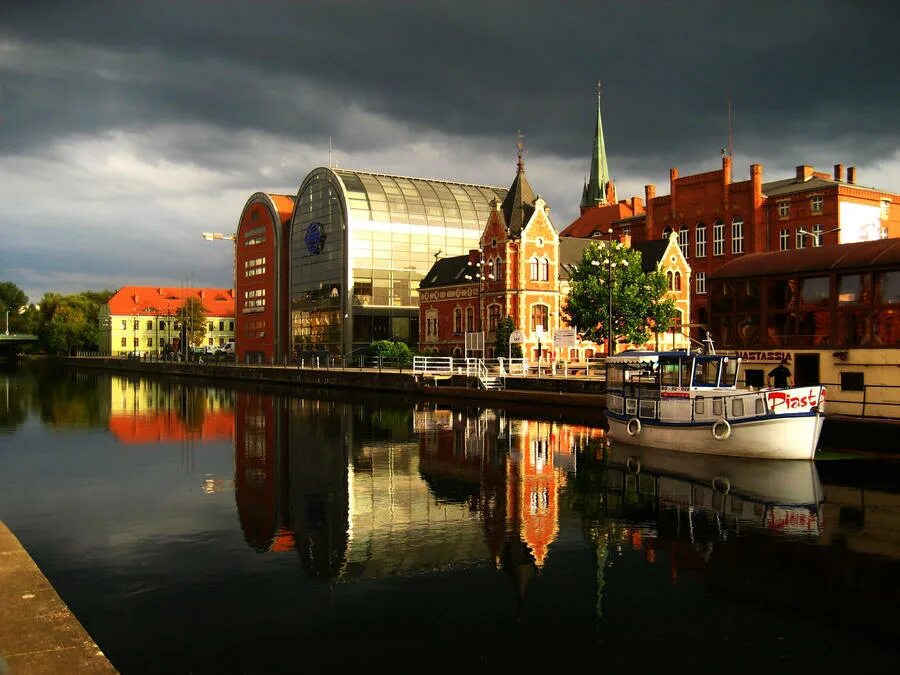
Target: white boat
pixel 690 402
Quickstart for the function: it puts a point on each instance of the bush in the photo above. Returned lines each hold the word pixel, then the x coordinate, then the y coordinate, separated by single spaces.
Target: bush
pixel 392 349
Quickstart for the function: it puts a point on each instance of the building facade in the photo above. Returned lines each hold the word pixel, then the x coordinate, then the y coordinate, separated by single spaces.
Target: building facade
pixel 361 242
pixel 261 273
pixel 146 320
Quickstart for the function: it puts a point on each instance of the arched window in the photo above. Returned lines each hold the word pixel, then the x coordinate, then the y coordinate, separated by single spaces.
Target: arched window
pixel 684 240
pixel 666 232
pixel 670 284
pixel 470 319
pixel 540 315
pixel 457 320
pixel 534 269
pixel 700 240
pixel 737 235
pixel 677 280
pixel 545 269
pixel 497 268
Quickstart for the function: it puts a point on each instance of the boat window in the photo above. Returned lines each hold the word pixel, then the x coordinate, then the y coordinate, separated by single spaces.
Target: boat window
pixel 706 373
pixel 699 406
pixel 730 372
pixel 737 407
pixel 668 373
pixel 717 406
pixel 760 406
pixel 686 368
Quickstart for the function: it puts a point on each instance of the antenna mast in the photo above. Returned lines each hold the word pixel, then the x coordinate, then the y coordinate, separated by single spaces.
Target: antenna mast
pixel 730 130
pixel 330 165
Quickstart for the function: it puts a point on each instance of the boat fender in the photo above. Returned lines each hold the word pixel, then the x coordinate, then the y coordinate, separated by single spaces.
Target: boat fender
pixel 721 484
pixel 633 464
pixel 721 429
pixel 633 427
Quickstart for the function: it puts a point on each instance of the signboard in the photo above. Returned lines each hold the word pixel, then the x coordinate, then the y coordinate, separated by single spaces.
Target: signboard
pixel 517 337
pixel 565 337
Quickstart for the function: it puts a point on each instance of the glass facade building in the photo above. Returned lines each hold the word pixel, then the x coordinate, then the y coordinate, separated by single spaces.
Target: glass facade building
pixel 360 244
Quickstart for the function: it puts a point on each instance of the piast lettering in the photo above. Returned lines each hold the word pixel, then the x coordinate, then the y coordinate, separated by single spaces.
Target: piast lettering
pixel 783 401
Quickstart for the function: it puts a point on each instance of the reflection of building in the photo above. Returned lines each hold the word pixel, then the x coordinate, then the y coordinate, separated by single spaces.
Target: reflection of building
pixel 148 319
pixel 261 272
pixel 148 411
pixel 359 245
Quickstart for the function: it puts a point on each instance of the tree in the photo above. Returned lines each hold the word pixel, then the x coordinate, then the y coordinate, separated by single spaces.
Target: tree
pixel 505 328
pixel 12 300
pixel 639 305
pixel 66 323
pixel 193 321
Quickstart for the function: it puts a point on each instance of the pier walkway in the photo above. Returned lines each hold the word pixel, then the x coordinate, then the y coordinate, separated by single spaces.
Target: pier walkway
pixel 39 635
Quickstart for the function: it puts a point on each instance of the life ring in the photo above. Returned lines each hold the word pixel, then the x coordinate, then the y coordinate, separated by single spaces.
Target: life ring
pixel 721 484
pixel 633 427
pixel 721 429
pixel 633 464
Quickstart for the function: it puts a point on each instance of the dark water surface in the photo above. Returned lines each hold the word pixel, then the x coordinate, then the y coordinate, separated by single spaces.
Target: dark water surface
pixel 198 529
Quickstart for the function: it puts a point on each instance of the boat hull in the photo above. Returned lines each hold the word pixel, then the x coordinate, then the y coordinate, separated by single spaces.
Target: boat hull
pixel 776 437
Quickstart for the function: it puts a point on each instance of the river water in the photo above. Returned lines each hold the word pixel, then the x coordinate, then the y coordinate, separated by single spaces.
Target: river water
pixel 231 529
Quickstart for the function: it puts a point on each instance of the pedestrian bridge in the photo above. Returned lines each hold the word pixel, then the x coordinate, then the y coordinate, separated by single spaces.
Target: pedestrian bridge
pixel 10 343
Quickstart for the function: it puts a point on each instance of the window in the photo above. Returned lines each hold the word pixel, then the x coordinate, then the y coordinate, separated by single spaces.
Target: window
pixel 799 238
pixel 231 325
pixel 784 208
pixel 136 324
pixel 853 382
pixel 209 326
pixel 684 240
pixel 677 280
pixel 784 240
pixel 737 235
pixel 670 282
pixel 539 317
pixel 667 232
pixel 470 319
pixel 815 204
pixel 718 238
pixel 817 235
pixel 124 324
pixel 221 325
pixel 700 280
pixel 545 269
pixel 162 325
pixel 534 269
pixel 885 208
pixel 136 343
pixel 700 243
pixel 497 268
pixel 457 320
pixel 493 317
pixel 124 342
pixel 149 324
pixel 149 341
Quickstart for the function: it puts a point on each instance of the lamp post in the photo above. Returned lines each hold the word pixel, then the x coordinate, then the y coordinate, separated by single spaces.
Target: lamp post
pixel 212 236
pixel 816 236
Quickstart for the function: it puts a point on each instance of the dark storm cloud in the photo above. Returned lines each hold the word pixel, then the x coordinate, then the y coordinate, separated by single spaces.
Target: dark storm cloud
pixel 795 70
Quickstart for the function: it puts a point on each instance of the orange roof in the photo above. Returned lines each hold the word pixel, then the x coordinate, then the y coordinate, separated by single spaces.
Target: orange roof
pixel 285 206
pixel 599 219
pixel 156 300
pixel 167 426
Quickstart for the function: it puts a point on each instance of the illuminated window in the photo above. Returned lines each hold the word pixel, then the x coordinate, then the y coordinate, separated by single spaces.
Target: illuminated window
pixel 737 235
pixel 684 240
pixel 534 269
pixel 540 315
pixel 718 238
pixel 700 243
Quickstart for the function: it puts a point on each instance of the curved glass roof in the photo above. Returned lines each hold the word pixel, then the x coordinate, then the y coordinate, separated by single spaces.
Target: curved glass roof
pixel 387 198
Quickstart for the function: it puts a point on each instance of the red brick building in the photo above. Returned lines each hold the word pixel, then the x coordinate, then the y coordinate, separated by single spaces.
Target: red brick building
pixel 718 219
pixel 261 277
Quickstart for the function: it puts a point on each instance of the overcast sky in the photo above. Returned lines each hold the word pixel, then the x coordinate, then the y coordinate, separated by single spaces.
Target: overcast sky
pixel 128 128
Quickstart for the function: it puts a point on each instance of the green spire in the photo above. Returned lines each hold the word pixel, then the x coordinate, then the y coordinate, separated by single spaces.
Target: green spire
pixel 597 188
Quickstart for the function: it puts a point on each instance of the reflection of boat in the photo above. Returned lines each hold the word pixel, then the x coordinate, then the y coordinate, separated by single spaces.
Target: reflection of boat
pixel 683 401
pixel 784 496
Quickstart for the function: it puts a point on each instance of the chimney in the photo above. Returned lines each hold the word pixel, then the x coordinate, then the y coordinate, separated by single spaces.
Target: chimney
pixel 851 175
pixel 649 196
pixel 673 176
pixel 839 172
pixel 804 173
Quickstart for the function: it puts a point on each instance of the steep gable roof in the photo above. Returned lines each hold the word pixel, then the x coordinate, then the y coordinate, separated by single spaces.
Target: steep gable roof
pixel 518 205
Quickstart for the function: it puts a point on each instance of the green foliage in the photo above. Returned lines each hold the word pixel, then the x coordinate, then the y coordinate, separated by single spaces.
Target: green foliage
pixel 194 320
pixel 12 300
pixel 392 349
pixel 67 323
pixel 639 305
pixel 505 328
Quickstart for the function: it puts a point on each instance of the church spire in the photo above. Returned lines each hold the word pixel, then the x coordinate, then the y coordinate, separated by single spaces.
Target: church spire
pixel 599 189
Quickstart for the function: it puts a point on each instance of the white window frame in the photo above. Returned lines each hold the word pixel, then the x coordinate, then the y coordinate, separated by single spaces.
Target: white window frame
pixel 784 208
pixel 718 238
pixel 533 263
pixel 684 240
pixel 799 238
pixel 816 202
pixel 700 240
pixel 885 209
pixel 737 235
pixel 700 283
pixel 784 239
pixel 817 231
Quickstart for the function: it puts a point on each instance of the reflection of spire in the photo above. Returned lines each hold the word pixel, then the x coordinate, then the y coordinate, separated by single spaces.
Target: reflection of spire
pixel 598 191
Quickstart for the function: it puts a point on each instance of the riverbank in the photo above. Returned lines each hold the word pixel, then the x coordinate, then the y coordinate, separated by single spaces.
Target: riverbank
pixel 38 632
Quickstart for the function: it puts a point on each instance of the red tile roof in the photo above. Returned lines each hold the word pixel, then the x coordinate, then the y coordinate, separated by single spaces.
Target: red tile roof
pixel 155 300
pixel 598 219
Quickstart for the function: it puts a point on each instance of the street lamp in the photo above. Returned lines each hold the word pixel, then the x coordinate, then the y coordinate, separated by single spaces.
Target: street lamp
pixel 212 236
pixel 816 236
